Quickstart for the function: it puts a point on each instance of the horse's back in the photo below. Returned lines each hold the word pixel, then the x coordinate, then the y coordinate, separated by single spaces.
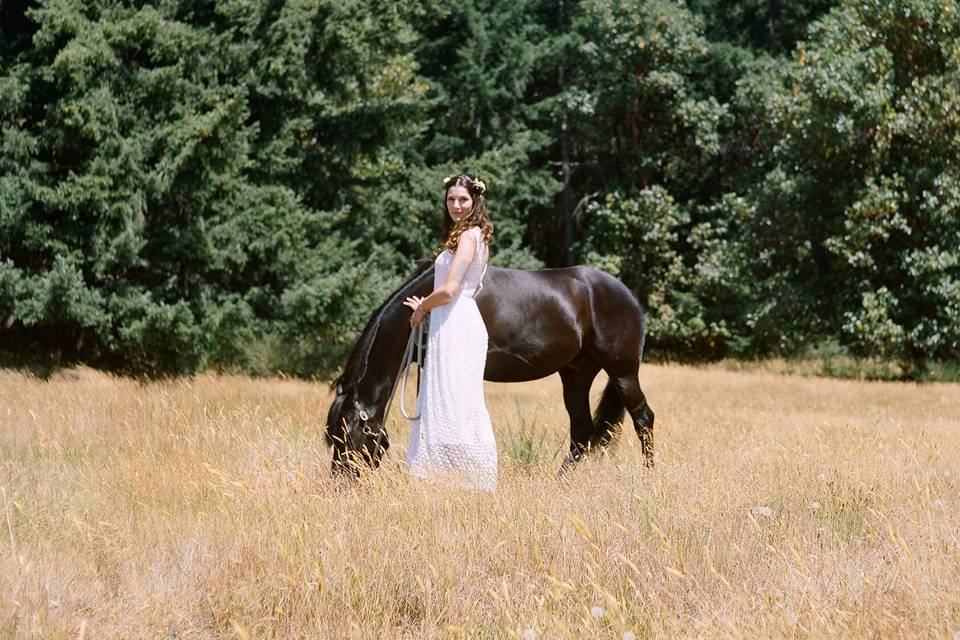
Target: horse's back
pixel 534 321
pixel 540 320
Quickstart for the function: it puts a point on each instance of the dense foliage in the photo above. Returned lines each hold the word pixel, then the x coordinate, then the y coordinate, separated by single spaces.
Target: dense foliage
pixel 190 184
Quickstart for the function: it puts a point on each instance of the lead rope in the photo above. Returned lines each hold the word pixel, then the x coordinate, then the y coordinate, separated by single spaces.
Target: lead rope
pixel 416 337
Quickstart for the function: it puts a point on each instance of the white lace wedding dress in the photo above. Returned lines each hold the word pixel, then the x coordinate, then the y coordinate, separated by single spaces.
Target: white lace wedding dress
pixel 452 441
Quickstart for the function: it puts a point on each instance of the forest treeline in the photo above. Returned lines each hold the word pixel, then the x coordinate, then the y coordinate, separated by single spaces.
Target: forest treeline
pixel 189 184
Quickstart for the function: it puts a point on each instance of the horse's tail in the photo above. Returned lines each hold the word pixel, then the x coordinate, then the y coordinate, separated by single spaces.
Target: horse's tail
pixel 609 414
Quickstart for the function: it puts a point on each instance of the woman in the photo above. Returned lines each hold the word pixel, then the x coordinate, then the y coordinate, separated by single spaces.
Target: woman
pixel 453 438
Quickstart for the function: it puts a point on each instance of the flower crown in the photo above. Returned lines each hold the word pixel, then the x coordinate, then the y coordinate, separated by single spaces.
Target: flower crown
pixel 475 183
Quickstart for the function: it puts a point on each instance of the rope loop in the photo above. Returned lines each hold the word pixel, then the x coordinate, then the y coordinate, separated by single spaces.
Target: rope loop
pixel 416 337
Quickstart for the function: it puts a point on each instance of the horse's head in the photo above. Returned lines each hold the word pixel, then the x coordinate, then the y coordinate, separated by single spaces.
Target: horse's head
pixel 355 431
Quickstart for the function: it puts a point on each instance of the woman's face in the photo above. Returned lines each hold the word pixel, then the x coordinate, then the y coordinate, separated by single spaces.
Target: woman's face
pixel 459 202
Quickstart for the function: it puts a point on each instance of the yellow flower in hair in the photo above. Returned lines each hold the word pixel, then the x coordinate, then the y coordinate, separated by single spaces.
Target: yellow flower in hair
pixel 448 179
pixel 477 184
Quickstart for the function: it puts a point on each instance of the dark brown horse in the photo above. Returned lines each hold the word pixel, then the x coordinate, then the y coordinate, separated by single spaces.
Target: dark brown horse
pixel 575 321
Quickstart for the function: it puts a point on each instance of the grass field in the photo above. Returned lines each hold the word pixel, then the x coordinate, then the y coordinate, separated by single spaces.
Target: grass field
pixel 779 507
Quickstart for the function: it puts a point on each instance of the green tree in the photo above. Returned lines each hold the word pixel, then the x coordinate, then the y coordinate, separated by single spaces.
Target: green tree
pixel 490 71
pixel 688 275
pixel 182 183
pixel 856 220
pixel 771 26
pixel 646 123
pixel 653 137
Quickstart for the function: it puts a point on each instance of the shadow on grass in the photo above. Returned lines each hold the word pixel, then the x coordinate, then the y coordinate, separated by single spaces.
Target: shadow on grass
pixel 37 365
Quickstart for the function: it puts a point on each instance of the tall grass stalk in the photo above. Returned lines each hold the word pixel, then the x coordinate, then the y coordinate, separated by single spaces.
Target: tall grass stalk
pixel 203 508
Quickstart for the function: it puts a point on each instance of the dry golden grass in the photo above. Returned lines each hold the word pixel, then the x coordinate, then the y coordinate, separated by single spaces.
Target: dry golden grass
pixel 779 507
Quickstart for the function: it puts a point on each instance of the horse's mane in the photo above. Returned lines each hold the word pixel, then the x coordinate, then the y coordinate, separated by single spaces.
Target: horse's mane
pixel 356 365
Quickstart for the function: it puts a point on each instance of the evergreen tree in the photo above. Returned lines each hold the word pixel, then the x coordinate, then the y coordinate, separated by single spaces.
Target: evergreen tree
pixel 236 185
pixel 180 180
pixel 488 66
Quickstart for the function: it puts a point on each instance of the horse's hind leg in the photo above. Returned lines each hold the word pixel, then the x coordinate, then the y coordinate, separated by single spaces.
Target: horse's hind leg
pixel 577 379
pixel 636 404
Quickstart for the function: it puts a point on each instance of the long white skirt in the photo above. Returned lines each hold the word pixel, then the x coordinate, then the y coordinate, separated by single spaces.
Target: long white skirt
pixel 452 441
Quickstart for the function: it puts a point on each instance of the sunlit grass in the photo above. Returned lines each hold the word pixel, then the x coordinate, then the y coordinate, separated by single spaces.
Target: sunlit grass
pixel 203 508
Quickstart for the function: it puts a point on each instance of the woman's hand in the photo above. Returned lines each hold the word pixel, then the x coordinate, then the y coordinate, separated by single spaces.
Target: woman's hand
pixel 417 317
pixel 414 303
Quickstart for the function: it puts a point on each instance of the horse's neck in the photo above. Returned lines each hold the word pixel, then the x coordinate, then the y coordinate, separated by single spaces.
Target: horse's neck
pixel 384 360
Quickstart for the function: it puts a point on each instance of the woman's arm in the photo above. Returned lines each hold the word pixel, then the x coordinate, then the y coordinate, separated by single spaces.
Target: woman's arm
pixel 466 251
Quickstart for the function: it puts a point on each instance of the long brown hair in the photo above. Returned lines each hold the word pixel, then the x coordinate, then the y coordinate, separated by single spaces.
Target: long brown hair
pixel 476 218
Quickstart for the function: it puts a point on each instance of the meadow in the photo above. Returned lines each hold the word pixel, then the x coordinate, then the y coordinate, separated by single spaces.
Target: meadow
pixel 780 506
